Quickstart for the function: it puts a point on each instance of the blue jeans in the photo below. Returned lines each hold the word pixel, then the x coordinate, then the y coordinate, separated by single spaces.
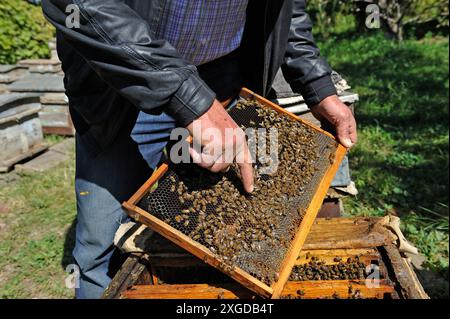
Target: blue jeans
pixel 102 182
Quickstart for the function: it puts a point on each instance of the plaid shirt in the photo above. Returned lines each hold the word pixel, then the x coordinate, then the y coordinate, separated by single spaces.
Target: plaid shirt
pixel 203 30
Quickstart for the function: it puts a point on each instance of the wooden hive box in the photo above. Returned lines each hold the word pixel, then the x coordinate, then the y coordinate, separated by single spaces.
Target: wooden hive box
pixel 21 133
pixel 55 114
pixel 165 271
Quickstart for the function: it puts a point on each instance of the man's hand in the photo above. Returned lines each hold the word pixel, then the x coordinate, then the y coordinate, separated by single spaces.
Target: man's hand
pixel 222 142
pixel 340 116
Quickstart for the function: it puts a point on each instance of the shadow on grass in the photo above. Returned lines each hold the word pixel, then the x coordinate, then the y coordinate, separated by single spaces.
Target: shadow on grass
pixel 69 244
pixel 404 93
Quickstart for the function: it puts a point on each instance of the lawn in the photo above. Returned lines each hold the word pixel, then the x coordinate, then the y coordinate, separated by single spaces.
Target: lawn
pixel 400 165
pixel 37 213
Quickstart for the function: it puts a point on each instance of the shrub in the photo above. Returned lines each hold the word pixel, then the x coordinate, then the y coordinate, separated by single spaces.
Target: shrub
pixel 24 32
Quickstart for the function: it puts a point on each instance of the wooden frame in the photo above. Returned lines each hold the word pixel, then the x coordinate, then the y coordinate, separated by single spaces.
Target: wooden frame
pixel 309 289
pixel 206 255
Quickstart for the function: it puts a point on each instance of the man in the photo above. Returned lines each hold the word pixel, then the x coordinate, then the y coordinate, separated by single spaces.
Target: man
pixel 176 61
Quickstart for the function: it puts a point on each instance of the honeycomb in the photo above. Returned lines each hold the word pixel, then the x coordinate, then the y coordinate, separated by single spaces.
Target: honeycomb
pixel 251 232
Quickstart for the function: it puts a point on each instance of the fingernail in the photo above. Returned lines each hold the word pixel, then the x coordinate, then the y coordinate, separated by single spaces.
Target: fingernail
pixel 252 188
pixel 347 142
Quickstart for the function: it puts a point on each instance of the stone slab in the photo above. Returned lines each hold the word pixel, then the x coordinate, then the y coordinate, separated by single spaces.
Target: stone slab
pixel 55 98
pixel 42 163
pixel 65 147
pixel 6 68
pixel 11 73
pixel 38 83
pixel 15 98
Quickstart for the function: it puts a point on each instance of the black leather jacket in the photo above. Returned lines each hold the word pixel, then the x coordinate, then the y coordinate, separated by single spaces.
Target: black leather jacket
pixel 114 66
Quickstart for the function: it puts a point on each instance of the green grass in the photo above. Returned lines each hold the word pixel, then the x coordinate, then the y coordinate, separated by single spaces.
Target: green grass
pixel 400 165
pixel 35 241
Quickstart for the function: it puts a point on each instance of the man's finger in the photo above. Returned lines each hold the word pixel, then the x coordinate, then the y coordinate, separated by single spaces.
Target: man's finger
pixel 247 176
pixel 198 158
pixel 343 133
pixel 353 131
pixel 220 165
pixel 246 168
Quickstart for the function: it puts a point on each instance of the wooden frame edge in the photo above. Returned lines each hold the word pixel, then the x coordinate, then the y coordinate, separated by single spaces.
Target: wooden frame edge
pixel 197 250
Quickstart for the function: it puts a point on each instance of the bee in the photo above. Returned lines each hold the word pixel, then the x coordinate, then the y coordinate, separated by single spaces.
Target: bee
pixel 332 158
pixel 178 219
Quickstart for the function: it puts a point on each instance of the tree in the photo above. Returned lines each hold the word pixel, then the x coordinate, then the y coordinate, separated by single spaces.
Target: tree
pixel 395 15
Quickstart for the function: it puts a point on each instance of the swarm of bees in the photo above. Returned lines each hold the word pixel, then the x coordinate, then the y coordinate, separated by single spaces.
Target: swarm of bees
pixel 253 231
pixel 316 269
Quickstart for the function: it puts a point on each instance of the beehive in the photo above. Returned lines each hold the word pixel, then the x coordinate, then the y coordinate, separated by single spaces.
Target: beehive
pixel 21 133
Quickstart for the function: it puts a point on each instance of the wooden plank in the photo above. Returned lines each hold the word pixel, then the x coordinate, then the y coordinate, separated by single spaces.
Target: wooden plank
pixel 197 250
pixel 35 82
pixel 56 130
pixel 304 290
pixel 341 233
pixel 128 275
pixel 366 255
pixel 11 73
pixel 409 286
pixel 45 162
pixel 55 99
pixel 174 260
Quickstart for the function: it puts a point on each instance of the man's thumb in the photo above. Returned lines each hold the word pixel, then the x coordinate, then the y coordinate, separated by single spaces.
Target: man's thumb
pixel 343 134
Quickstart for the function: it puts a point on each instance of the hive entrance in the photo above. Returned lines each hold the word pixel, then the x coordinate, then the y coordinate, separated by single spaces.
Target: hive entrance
pixel 250 232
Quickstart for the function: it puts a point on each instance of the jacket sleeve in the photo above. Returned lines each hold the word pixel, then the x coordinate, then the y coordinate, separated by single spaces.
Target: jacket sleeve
pixel 119 46
pixel 303 68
